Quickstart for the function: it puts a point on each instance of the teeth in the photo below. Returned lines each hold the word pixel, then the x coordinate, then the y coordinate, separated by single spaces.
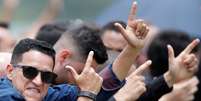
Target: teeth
pixel 34 90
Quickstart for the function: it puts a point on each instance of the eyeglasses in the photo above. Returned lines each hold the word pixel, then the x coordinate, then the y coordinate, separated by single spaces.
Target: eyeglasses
pixel 31 72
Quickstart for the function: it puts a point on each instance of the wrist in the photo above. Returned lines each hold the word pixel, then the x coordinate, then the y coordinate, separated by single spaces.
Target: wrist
pixel 133 48
pixel 169 79
pixel 132 51
pixel 121 96
pixel 92 91
pixel 88 95
pixel 167 97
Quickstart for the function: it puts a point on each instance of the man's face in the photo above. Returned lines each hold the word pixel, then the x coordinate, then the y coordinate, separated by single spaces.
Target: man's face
pixel 113 40
pixel 35 89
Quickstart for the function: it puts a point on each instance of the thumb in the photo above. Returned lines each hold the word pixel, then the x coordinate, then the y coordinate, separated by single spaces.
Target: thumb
pixel 122 29
pixel 123 32
pixel 171 55
pixel 73 71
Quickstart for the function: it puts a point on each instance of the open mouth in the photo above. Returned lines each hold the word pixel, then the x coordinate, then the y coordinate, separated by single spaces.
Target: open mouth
pixel 34 90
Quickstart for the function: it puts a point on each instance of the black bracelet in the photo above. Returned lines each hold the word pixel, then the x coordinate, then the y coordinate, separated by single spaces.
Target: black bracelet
pixel 87 94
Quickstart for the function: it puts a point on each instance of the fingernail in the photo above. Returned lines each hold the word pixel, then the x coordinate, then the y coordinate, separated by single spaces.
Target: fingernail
pixel 168 46
pixel 149 62
pixel 91 52
pixel 67 66
pixel 198 40
pixel 135 3
pixel 116 24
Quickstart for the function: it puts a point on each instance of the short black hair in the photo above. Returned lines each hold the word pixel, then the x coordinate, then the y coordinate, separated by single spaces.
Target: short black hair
pixel 27 44
pixel 5 25
pixel 110 26
pixel 158 51
pixel 52 32
pixel 86 37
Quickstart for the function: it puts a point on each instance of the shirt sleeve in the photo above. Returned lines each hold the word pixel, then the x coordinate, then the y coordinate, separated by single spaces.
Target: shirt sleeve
pixel 62 92
pixel 111 84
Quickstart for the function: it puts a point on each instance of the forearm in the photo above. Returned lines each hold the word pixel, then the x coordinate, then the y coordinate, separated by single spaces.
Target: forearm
pixel 8 10
pixel 122 96
pixel 51 10
pixel 48 14
pixel 123 62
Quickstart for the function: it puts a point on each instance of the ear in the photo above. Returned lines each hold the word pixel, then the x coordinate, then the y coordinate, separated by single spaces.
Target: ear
pixel 9 71
pixel 64 54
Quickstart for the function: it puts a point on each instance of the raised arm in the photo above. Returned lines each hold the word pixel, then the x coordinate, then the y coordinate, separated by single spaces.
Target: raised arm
pixel 135 34
pixel 9 7
pixel 48 15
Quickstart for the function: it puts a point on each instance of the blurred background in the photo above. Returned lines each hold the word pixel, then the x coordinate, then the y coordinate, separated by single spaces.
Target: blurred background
pixel 165 14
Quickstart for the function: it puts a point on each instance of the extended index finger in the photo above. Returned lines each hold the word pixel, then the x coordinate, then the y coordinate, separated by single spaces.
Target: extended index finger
pixel 133 11
pixel 191 46
pixel 89 60
pixel 142 68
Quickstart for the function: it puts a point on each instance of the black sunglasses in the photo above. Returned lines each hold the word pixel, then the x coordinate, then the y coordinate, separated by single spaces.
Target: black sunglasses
pixel 31 72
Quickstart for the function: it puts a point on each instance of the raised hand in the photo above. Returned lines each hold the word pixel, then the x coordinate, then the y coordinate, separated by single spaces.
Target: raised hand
pixel 135 34
pixel 88 80
pixel 185 64
pixel 182 91
pixel 136 30
pixel 134 86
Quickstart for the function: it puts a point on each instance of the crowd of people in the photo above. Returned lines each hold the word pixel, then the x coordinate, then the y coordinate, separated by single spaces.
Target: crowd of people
pixel 78 60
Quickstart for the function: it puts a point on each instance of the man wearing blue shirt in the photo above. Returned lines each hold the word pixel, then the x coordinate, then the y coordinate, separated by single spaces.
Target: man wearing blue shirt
pixel 29 76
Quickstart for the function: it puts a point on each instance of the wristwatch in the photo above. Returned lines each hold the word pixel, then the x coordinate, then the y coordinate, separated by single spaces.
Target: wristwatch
pixel 87 94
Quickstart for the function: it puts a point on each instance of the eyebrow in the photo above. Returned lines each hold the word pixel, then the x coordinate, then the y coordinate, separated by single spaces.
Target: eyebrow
pixel 45 69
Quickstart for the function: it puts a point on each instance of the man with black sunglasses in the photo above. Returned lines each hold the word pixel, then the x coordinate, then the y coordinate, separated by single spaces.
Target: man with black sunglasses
pixel 29 76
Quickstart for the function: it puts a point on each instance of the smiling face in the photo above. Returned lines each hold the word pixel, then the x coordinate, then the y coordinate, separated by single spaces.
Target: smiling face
pixel 35 89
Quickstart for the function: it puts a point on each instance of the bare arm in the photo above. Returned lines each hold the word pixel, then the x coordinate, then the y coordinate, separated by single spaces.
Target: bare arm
pixel 135 35
pixel 9 7
pixel 49 14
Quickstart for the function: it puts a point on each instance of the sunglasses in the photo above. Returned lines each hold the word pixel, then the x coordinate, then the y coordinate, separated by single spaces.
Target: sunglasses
pixel 31 72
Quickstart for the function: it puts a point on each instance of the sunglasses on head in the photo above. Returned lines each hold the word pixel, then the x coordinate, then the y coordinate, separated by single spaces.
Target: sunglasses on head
pixel 31 72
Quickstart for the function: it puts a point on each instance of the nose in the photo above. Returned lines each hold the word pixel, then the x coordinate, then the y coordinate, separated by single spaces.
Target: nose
pixel 37 80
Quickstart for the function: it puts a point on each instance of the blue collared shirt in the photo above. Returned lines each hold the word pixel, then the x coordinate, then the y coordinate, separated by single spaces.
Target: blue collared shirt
pixel 62 92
